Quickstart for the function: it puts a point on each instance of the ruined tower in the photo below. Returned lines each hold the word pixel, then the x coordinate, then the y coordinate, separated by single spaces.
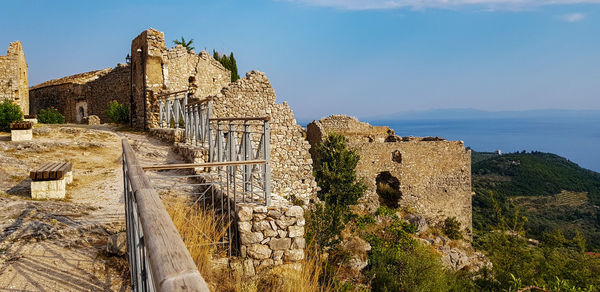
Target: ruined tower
pixel 14 84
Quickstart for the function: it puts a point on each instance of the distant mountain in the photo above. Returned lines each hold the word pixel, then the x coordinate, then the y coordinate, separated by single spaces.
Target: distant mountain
pixel 551 191
pixel 474 114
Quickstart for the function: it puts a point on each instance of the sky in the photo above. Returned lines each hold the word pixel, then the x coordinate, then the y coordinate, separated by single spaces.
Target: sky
pixel 359 57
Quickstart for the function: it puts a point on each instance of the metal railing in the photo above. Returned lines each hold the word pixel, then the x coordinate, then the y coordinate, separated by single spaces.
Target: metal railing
pixel 171 108
pixel 158 258
pixel 226 139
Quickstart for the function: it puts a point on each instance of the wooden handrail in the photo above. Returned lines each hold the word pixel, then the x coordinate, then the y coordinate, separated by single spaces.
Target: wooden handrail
pixel 172 93
pixel 195 102
pixel 242 119
pixel 207 164
pixel 173 268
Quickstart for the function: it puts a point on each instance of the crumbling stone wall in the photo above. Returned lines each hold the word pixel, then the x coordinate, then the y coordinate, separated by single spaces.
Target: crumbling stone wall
pixel 14 84
pixel 434 175
pixel 291 163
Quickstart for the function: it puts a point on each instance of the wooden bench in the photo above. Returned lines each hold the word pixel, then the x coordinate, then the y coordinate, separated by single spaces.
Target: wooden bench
pixel 21 131
pixel 30 118
pixel 20 125
pixel 49 180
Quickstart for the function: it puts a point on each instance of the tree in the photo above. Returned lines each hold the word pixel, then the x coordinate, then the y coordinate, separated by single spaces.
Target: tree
pixel 229 63
pixel 184 43
pixel 334 171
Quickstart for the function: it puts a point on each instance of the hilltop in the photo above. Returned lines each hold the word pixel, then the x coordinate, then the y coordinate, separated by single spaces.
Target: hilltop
pixel 552 192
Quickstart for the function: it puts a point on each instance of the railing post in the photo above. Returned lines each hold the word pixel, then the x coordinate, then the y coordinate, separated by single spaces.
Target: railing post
pixel 267 154
pixel 207 117
pixel 247 145
pixel 161 109
pixel 196 124
pixel 176 105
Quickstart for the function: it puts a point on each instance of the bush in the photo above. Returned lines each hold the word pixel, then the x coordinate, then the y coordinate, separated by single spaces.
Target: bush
pixel 9 112
pixel 51 116
pixel 118 113
pixel 452 228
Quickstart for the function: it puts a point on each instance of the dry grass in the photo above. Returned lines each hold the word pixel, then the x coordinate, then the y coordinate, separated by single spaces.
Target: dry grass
pixel 301 277
pixel 199 231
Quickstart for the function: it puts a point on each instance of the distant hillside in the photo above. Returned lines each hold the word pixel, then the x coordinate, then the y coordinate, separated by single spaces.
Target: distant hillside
pixel 552 192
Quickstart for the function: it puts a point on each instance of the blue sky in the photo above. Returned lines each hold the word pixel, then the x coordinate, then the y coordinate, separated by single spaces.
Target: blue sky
pixel 357 57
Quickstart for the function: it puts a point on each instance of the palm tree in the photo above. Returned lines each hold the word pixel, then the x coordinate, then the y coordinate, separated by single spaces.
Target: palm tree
pixel 184 43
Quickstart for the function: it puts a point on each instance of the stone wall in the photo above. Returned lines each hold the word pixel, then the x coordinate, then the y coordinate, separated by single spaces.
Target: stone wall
pixel 158 70
pixel 291 163
pixel 92 91
pixel 434 175
pixel 270 236
pixel 14 84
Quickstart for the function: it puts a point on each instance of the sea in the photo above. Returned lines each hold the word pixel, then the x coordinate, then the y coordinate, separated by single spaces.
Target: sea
pixel 576 138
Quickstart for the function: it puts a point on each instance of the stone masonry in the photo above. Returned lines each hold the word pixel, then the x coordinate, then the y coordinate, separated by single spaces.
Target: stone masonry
pixel 14 84
pixel 433 175
pixel 81 95
pixel 270 236
pixel 157 70
pixel 291 163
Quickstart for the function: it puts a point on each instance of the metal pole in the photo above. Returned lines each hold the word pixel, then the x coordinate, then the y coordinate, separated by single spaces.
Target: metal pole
pixel 267 153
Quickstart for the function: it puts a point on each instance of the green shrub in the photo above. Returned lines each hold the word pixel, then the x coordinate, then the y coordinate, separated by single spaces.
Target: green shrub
pixel 335 175
pixel 9 112
pixel 118 113
pixel 50 116
pixel 452 228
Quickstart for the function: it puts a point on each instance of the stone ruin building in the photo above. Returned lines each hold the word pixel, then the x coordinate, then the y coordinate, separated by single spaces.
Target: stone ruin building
pixel 432 175
pixel 82 95
pixel 14 84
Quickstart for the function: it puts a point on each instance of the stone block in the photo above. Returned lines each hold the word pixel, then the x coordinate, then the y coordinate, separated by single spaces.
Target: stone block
pixel 21 135
pixel 296 231
pixel 278 255
pixel 49 189
pixel 251 237
pixel 244 227
pixel 259 251
pixel 249 268
pixel 280 243
pixel 295 211
pixel 245 213
pixel 284 222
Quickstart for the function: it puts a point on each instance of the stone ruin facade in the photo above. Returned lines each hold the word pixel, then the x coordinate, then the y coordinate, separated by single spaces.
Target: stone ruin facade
pixel 157 70
pixel 14 84
pixel 432 175
pixel 82 95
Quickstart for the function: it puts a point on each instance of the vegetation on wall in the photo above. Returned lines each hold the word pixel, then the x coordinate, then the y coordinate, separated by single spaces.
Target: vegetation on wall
pixel 118 113
pixel 186 44
pixel 50 116
pixel 9 112
pixel 229 63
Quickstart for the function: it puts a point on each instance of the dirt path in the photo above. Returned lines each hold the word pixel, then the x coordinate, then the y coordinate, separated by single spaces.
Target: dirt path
pixel 60 245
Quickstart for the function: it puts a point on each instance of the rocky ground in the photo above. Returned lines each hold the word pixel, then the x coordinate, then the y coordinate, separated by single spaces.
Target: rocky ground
pixel 61 245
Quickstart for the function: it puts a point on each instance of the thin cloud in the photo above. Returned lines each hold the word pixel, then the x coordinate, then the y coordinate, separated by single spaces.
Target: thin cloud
pixel 573 17
pixel 422 4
